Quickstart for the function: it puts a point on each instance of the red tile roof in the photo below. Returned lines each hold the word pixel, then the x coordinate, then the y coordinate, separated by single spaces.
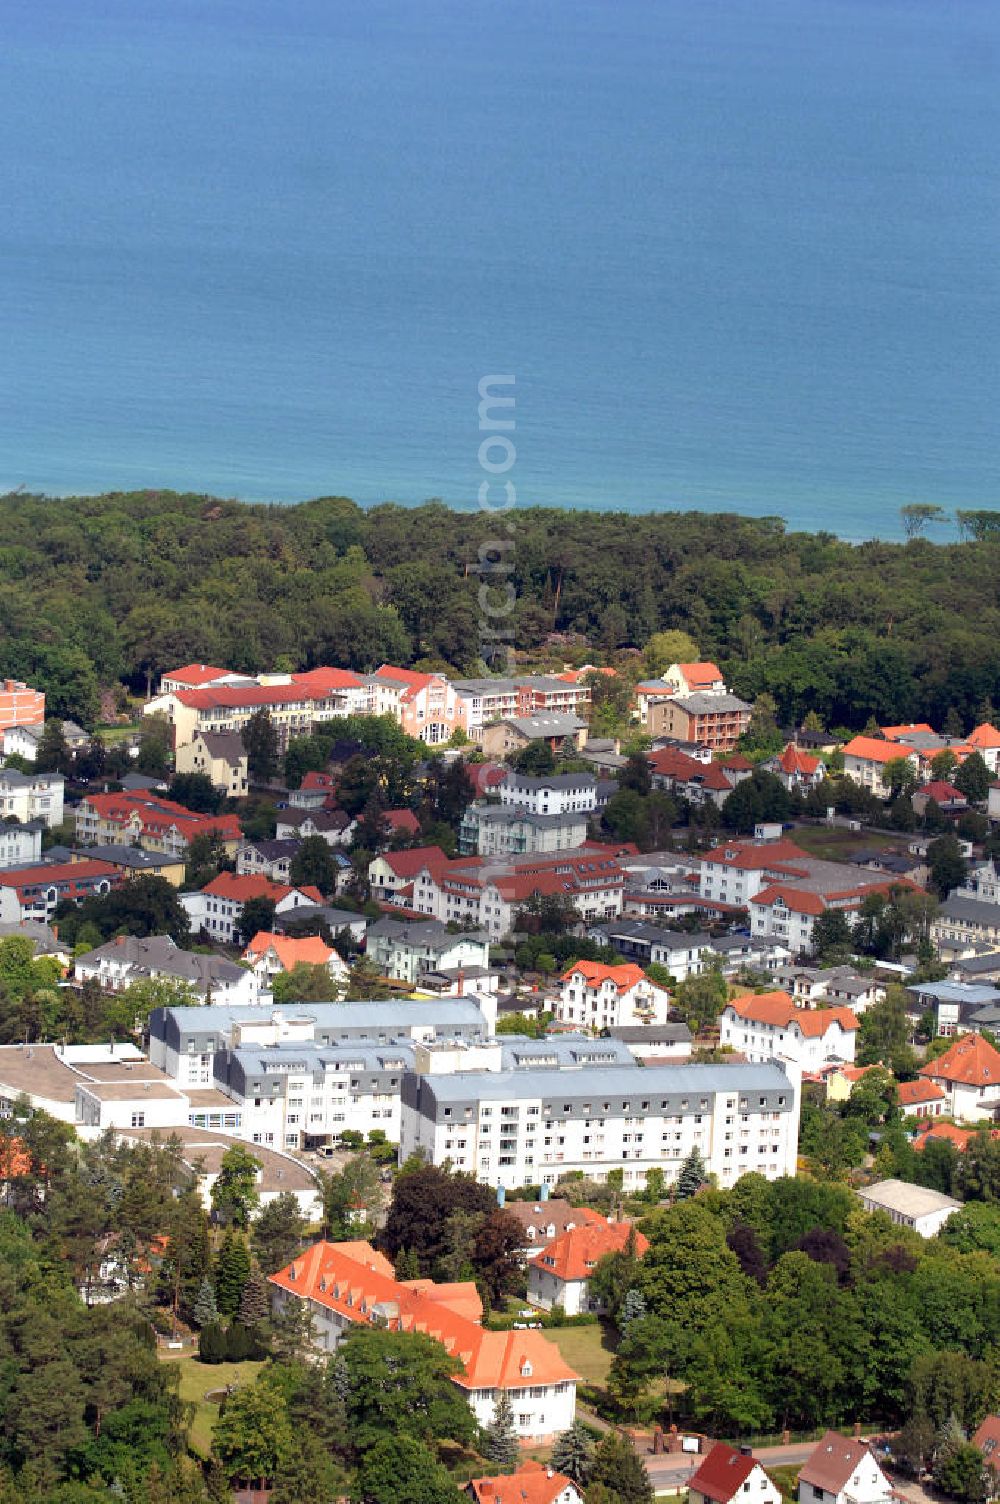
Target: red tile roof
pixel 872 749
pixel 311 950
pixel 942 793
pixel 914 728
pixel 533 1483
pixel 574 1254
pixel 751 856
pixel 987 1439
pixel 194 674
pixel 915 1093
pixel 697 675
pixel 833 1463
pixel 984 736
pixel 737 763
pixel 325 679
pixel 796 899
pixel 778 1010
pixel 240 889
pixel 971 1061
pixel 56 872
pixel 943 1133
pixel 409 863
pixel 352 1279
pixel 402 819
pixel 235 697
pixel 722 1473
pixel 595 974
pixel 319 781
pixel 793 760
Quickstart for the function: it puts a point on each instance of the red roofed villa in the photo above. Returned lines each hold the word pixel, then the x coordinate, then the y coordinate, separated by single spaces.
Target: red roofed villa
pixel 969 1072
pixel 559 1275
pixel 767 1025
pixel 594 996
pixel 533 1483
pixel 346 1284
pixel 727 1473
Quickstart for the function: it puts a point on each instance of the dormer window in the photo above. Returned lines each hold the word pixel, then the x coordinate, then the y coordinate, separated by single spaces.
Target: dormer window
pixel 526 1369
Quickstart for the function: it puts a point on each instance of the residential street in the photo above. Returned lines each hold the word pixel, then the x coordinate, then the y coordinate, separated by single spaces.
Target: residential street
pixel 672 1470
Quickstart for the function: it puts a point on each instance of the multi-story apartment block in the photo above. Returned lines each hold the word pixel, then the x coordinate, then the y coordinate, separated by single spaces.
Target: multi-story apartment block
pixel 295 703
pixel 303 1096
pixel 146 820
pixel 532 1127
pixel 499 830
pixel 20 705
pixel 486 700
pixel 426 706
pixel 34 893
pixel 710 719
pixel 182 1041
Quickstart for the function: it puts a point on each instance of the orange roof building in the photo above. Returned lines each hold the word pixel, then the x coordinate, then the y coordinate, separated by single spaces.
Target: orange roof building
pixel 729 1472
pixel 969 1073
pixel 798 769
pixel 595 996
pixel 217 909
pixel 768 1025
pixel 559 1275
pixel 268 954
pixel 347 1284
pixel 533 1483
pixel 922 1099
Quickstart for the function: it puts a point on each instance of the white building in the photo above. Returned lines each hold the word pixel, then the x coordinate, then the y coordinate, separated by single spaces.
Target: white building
pixel 769 1026
pixel 727 1474
pixel 553 794
pixel 20 844
pixel 532 1127
pixel 683 954
pixel 560 1275
pixel 969 1073
pixel 409 949
pixel 843 1470
pixel 127 959
pixel 505 830
pixel 218 908
pixel 595 996
pixel 182 1041
pixel 908 1205
pixel 347 1283
pixel 32 796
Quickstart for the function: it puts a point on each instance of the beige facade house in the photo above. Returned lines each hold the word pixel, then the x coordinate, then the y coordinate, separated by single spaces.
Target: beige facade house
pixel 220 756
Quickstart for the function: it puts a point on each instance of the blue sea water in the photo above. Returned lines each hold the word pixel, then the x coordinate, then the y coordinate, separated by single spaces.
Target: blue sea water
pixel 738 254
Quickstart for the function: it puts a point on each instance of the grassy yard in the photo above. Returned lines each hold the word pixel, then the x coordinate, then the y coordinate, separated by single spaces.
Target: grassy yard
pixel 787 1479
pixel 587 1349
pixel 195 1379
pixel 832 844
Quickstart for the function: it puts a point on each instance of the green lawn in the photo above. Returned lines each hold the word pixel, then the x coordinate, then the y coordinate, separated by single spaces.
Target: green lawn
pixel 787 1479
pixel 195 1379
pixel 587 1349
pixel 833 844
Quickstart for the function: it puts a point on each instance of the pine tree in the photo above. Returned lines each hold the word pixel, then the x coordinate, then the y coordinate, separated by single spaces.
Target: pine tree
pixel 255 1305
pixel 691 1177
pixel 407 1264
pixel 232 1269
pixel 573 1454
pixel 213 1345
pixel 633 1306
pixel 500 1444
pixel 617 1466
pixel 205 1308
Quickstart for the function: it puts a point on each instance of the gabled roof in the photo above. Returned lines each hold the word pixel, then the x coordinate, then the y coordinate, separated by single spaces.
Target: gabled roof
pixel 574 1254
pixel 796 899
pixel 971 1061
pixel 984 736
pixel 595 974
pixel 915 1093
pixel 794 760
pixel 401 819
pixel 942 793
pixel 722 1473
pixel 358 1283
pixel 555 1213
pixel 309 951
pixel 778 1010
pixel 54 872
pixel 533 1483
pixel 314 780
pixel 737 763
pixel 407 864
pixel 833 1463
pixel 913 728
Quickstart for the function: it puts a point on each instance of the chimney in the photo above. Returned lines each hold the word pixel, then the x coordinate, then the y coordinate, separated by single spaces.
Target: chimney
pixel 745 1451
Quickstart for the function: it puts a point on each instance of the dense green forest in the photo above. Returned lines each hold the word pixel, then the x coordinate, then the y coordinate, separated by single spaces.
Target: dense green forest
pixel 94 590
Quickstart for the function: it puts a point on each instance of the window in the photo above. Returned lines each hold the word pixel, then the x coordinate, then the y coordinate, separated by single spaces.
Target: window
pixel 138 1120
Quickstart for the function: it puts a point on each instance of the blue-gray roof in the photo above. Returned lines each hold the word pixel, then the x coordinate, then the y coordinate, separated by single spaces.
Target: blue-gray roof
pixel 374 1015
pixel 565 1051
pixel 955 992
pixel 652 1080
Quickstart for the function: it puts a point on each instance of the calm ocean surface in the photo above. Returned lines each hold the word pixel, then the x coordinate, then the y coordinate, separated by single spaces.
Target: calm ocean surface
pixel 737 253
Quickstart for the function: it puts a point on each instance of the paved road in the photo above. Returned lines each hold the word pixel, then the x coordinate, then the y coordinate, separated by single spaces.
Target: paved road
pixel 673 1469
